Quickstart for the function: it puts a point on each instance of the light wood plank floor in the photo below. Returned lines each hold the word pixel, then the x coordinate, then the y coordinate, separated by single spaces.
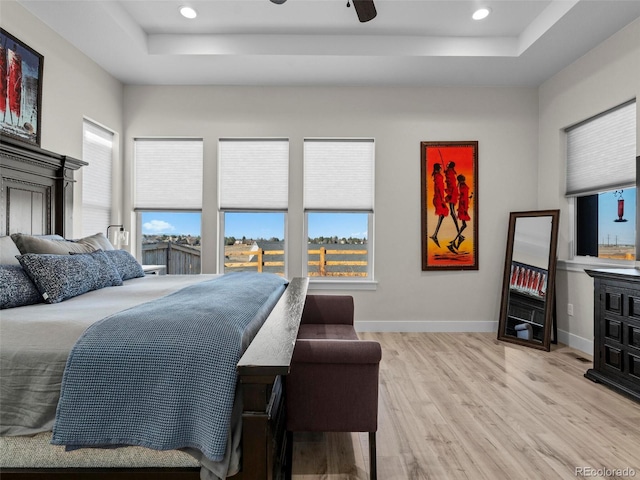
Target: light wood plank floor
pixel 465 406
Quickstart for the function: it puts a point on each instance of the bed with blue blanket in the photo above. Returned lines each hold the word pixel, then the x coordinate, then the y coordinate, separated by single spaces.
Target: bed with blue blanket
pixel 167 364
pixel 168 395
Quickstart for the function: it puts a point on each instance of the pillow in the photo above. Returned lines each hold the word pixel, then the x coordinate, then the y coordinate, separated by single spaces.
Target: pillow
pixel 16 288
pixel 59 277
pixel 35 244
pixel 97 242
pixel 126 264
pixel 108 273
pixel 8 251
pixel 50 236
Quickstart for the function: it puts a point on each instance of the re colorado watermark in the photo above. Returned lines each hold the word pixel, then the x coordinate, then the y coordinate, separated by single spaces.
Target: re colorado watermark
pixel 604 472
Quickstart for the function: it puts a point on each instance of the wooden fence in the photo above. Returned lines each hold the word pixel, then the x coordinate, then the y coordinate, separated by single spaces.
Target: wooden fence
pixel 179 259
pixel 320 270
pixel 259 263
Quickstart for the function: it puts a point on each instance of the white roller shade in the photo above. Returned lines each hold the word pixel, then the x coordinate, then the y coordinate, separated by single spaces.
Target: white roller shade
pixel 601 152
pixel 339 174
pixel 253 174
pixel 168 174
pixel 97 150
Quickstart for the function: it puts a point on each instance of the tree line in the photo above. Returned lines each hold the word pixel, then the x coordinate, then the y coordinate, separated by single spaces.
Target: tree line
pixel 334 240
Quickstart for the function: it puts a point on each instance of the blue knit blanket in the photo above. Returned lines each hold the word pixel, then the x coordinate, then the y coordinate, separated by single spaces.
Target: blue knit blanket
pixel 162 375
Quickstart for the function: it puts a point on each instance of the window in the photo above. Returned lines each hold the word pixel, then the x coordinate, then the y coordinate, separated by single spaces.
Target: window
pixel 168 202
pixel 97 150
pixel 253 185
pixel 254 241
pixel 339 204
pixel 172 239
pixel 601 175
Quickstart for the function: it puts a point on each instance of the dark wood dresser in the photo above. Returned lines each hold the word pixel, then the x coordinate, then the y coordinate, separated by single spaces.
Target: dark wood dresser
pixel 616 347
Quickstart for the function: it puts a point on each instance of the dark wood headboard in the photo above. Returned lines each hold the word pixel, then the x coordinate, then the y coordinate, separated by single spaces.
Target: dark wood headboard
pixel 37 189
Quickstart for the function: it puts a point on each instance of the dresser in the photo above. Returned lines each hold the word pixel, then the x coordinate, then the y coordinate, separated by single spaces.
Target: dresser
pixel 616 347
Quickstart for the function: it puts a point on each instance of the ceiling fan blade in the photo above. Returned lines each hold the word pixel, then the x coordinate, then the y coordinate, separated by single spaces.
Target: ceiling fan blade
pixel 365 9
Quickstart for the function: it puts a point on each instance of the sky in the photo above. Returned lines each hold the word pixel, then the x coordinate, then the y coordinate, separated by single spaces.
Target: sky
pixel 256 225
pixel 609 231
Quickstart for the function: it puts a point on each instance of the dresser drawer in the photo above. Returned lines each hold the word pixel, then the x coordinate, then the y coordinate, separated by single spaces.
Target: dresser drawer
pixel 613 302
pixel 613 329
pixel 634 307
pixel 613 358
pixel 634 336
pixel 634 366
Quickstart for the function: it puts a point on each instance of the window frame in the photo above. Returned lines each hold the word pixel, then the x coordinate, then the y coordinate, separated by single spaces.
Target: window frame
pixel 230 204
pixel 338 282
pixel 137 210
pixel 582 261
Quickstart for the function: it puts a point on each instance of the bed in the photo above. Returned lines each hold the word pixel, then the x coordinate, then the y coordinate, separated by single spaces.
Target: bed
pixel 37 195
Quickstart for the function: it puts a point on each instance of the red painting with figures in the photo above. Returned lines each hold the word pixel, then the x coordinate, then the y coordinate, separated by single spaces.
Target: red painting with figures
pixel 449 205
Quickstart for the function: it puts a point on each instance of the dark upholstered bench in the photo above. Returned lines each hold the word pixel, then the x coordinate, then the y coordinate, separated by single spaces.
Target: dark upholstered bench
pixel 333 383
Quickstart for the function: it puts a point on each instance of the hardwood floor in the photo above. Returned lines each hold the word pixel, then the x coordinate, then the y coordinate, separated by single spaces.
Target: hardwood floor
pixel 465 406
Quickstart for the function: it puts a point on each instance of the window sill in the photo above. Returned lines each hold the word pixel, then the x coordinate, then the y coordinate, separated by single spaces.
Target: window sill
pixel 580 264
pixel 323 284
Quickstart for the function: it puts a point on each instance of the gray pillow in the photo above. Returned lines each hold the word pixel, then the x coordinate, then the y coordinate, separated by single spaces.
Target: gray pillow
pixel 59 277
pixel 97 241
pixel 35 244
pixel 8 251
pixel 127 265
pixel 16 288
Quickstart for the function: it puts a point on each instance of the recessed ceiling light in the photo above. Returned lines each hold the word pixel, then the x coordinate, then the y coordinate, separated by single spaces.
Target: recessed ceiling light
pixel 188 12
pixel 481 13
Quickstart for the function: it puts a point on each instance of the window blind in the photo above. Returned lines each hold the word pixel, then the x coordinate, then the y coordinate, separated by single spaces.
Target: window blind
pixel 97 150
pixel 339 174
pixel 253 174
pixel 601 152
pixel 168 174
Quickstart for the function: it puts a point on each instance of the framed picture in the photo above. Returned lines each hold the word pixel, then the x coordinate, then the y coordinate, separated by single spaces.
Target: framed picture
pixel 449 205
pixel 20 89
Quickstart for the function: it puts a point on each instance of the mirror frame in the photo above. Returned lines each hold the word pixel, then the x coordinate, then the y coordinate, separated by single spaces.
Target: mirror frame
pixel 551 280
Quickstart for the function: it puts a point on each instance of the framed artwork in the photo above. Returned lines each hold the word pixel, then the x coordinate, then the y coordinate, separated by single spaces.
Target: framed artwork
pixel 449 205
pixel 20 89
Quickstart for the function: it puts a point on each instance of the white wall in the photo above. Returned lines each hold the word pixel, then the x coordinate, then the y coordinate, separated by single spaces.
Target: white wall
pixel 73 87
pixel 603 78
pixel 503 120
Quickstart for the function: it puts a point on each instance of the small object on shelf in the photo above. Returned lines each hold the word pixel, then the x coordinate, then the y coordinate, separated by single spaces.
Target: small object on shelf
pixel 524 330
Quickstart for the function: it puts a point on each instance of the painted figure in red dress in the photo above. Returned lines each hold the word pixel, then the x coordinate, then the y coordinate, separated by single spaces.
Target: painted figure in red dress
pixel 438 199
pixel 14 86
pixel 463 209
pixel 452 199
pixel 3 82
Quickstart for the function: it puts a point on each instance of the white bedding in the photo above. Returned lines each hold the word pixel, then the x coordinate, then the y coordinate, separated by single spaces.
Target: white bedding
pixel 35 341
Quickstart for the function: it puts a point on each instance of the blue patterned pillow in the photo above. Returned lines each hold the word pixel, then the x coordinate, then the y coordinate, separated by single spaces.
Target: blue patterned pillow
pixel 16 288
pixel 126 264
pixel 108 272
pixel 59 277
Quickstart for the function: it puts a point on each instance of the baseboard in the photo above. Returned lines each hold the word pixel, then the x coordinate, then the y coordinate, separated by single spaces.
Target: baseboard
pixel 566 338
pixel 426 326
pixel 574 341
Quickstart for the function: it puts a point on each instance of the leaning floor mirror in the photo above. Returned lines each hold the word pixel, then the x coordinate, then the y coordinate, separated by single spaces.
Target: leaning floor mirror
pixel 526 309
